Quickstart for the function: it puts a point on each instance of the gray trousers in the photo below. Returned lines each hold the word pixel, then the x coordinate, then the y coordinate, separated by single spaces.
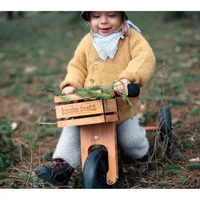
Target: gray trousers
pixel 130 136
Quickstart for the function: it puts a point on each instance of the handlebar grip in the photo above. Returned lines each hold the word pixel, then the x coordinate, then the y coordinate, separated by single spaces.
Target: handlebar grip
pixel 133 90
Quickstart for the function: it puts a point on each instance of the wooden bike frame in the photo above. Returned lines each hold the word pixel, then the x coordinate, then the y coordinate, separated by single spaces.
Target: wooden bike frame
pixel 97 120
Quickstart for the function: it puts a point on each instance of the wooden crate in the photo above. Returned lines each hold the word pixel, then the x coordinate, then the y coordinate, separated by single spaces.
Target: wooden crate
pixel 84 111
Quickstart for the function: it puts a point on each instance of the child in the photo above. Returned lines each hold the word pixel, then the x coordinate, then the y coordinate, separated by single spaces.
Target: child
pixel 113 50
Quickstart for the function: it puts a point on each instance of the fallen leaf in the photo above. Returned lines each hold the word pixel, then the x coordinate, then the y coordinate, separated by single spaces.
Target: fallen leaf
pixel 14 126
pixel 195 159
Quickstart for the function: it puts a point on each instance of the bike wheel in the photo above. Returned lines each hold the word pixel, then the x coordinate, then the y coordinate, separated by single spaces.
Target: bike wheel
pixel 95 170
pixel 165 126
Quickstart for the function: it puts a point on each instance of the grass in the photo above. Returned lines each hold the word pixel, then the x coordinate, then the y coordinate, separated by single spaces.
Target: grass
pixel 34 52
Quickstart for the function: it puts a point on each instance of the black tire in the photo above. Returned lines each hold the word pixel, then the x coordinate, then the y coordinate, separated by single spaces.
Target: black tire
pixel 165 127
pixel 95 170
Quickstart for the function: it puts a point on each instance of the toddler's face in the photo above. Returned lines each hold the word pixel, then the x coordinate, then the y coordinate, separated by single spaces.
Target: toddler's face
pixel 105 23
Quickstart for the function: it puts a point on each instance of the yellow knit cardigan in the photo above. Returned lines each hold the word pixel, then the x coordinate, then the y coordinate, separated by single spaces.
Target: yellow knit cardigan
pixel 134 60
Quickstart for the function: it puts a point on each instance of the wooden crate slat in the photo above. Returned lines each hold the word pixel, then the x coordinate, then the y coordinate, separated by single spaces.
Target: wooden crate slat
pixel 71 97
pixel 61 99
pixel 81 121
pixel 111 118
pixel 79 109
pixel 74 97
pixel 110 106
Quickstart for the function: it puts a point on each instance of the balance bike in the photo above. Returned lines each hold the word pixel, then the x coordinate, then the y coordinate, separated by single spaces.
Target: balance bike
pixel 97 120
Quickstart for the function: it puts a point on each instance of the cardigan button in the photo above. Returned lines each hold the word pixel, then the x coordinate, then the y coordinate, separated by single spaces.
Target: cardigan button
pixel 96 62
pixel 91 80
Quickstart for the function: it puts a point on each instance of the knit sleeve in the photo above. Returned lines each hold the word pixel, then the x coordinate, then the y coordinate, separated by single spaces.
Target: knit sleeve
pixel 142 65
pixel 76 69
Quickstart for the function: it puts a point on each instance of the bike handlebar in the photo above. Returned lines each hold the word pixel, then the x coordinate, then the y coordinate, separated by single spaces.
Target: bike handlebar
pixel 133 90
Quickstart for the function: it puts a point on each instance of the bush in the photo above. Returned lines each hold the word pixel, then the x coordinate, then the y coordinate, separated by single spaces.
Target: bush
pixel 7 147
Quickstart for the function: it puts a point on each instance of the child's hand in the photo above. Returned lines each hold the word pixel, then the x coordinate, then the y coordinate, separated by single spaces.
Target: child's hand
pixel 68 90
pixel 123 83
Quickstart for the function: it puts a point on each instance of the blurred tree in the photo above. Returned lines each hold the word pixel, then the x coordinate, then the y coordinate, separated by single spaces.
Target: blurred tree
pixel 178 15
pixel 10 14
pixel 174 15
pixel 75 16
